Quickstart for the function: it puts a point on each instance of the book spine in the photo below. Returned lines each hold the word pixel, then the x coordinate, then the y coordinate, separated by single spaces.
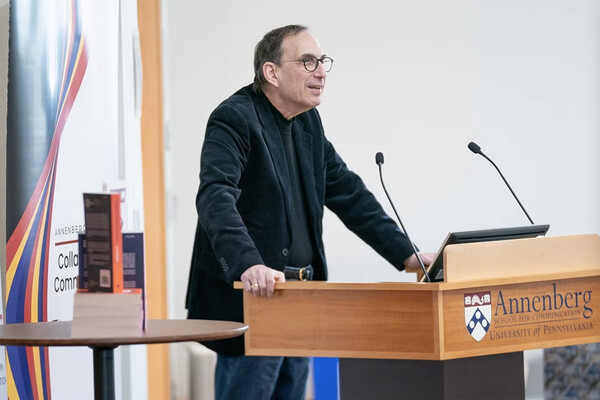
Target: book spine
pixel 117 243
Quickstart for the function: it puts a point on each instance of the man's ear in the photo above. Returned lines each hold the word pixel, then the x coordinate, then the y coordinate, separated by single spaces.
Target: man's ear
pixel 270 73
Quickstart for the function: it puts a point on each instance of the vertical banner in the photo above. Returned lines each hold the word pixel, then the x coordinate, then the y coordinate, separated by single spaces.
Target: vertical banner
pixel 62 141
pixel 47 64
pixel 4 12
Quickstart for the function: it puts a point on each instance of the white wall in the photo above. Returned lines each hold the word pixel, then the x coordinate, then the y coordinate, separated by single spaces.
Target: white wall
pixel 417 80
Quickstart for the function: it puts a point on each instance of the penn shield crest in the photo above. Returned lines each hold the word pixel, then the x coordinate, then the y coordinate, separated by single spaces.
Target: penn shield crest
pixel 478 313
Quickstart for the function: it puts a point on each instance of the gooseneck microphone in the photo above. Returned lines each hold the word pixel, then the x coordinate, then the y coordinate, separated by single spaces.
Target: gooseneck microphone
pixel 379 161
pixel 477 150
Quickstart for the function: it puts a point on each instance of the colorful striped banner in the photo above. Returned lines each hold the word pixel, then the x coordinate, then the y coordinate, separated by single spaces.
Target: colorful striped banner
pixel 27 246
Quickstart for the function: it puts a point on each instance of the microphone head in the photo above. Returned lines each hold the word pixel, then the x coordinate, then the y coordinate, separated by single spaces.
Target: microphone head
pixel 474 148
pixel 379 158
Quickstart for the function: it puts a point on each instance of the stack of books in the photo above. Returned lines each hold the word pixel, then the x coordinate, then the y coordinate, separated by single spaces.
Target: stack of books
pixel 111 297
pixel 107 313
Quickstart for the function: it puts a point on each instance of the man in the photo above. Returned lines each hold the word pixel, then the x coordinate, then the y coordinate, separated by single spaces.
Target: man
pixel 266 173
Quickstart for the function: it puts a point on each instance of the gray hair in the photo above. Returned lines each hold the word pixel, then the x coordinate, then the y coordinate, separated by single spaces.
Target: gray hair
pixel 269 50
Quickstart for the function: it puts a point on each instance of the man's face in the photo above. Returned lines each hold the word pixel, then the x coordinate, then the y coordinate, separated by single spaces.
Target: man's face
pixel 299 89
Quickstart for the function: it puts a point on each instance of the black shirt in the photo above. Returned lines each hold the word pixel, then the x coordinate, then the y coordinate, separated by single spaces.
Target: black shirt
pixel 301 250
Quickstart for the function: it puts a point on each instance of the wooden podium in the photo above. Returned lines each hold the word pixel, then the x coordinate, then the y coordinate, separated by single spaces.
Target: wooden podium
pixel 458 339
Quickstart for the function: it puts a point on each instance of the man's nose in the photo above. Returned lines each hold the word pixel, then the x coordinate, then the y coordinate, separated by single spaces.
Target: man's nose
pixel 320 71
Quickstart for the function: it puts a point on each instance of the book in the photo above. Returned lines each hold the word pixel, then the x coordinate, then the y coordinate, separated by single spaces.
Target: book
pixel 133 260
pixel 134 269
pixel 104 242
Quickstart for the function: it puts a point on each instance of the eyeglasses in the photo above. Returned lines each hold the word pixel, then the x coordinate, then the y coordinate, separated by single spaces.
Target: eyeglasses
pixel 311 63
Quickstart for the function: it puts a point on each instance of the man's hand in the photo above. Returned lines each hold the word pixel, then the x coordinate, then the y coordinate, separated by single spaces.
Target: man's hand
pixel 413 262
pixel 260 280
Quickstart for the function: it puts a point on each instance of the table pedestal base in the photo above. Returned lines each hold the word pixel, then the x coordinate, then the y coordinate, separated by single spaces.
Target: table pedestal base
pixel 104 373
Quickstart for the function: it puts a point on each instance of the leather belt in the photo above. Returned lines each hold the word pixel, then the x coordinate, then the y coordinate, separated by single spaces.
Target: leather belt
pixel 298 273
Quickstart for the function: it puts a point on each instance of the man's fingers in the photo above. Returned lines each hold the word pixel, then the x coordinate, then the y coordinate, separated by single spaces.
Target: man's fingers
pixel 279 276
pixel 260 280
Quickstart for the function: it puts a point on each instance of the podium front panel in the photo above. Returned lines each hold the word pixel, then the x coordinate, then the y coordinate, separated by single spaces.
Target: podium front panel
pixel 514 317
pixel 356 323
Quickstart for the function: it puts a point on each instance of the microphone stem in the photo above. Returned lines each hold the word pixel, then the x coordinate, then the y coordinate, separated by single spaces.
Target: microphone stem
pixel 509 188
pixel 403 228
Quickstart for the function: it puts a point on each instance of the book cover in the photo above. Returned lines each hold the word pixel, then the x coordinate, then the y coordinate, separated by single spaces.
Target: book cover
pixel 104 242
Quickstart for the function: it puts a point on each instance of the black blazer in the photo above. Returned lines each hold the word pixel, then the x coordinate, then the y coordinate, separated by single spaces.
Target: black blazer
pixel 244 205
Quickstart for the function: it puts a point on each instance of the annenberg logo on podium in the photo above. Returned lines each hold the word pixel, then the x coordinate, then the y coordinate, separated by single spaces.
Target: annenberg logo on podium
pixel 478 313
